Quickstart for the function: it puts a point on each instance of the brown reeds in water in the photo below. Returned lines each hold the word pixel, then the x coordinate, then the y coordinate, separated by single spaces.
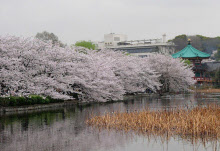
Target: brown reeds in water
pixel 207 90
pixel 196 122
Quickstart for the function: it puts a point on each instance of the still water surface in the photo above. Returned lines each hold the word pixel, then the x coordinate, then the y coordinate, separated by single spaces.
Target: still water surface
pixel 64 129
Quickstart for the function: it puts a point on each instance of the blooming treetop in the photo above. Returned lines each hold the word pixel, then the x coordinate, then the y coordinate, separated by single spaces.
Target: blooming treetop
pixel 134 73
pixel 175 75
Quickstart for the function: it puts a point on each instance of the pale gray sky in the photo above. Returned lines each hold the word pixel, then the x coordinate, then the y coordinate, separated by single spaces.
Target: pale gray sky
pixel 73 20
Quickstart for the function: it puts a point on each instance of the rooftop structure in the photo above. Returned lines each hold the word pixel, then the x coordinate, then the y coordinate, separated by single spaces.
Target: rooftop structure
pixel 140 48
pixel 195 56
pixel 189 52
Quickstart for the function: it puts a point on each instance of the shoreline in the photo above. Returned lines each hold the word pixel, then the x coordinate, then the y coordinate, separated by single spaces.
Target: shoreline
pixel 36 107
pixel 39 107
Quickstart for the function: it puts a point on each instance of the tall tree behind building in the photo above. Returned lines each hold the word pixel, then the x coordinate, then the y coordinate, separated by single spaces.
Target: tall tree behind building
pixel 202 43
pixel 217 54
pixel 46 36
pixel 85 44
pixel 180 42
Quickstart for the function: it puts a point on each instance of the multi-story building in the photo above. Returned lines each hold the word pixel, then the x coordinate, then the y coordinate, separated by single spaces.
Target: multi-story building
pixel 140 48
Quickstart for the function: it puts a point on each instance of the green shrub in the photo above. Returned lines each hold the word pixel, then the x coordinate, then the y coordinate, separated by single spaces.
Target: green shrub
pixel 30 100
pixel 47 100
pixel 36 99
pixel 12 101
pixel 20 100
pixel 3 101
pixel 52 100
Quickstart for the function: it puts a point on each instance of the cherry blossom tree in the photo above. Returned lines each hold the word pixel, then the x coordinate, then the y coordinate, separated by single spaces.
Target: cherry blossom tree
pixel 25 68
pixel 31 66
pixel 134 72
pixel 175 75
pixel 92 74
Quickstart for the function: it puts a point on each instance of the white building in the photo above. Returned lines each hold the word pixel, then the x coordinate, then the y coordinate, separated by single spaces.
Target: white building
pixel 111 40
pixel 136 47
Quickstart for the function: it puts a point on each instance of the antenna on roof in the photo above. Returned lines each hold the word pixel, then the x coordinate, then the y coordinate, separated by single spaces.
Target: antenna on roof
pixel 164 38
pixel 111 29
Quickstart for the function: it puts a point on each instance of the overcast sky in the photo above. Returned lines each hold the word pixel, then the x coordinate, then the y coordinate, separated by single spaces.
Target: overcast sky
pixel 73 20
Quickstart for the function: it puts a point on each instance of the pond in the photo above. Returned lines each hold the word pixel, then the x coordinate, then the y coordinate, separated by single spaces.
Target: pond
pixel 64 129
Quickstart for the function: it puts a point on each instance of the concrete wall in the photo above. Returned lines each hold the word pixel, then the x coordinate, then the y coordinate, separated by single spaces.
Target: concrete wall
pixel 36 107
pixel 112 39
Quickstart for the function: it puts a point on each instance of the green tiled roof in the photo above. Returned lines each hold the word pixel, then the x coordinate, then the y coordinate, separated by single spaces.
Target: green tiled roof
pixel 190 52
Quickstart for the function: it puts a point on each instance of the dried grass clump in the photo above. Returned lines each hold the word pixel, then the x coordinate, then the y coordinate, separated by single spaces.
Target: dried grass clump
pixel 208 91
pixel 197 122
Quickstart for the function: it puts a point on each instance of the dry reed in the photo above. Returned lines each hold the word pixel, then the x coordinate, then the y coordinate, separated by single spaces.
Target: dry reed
pixel 208 90
pixel 197 122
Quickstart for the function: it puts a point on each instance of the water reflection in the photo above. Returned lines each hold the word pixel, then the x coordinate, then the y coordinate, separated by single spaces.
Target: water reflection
pixel 65 128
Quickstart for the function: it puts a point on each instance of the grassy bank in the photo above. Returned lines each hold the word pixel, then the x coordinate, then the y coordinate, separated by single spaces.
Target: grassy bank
pixel 30 100
pixel 198 122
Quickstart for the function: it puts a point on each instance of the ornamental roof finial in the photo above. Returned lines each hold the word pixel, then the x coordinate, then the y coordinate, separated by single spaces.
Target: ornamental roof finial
pixel 189 42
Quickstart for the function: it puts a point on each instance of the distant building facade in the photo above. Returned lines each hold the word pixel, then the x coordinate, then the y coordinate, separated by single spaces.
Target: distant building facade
pixel 139 48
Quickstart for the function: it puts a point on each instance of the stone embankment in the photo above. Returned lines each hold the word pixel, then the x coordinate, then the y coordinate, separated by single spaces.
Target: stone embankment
pixel 36 107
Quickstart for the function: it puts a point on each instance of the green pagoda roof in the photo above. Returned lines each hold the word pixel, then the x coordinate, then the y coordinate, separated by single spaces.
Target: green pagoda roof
pixel 190 52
